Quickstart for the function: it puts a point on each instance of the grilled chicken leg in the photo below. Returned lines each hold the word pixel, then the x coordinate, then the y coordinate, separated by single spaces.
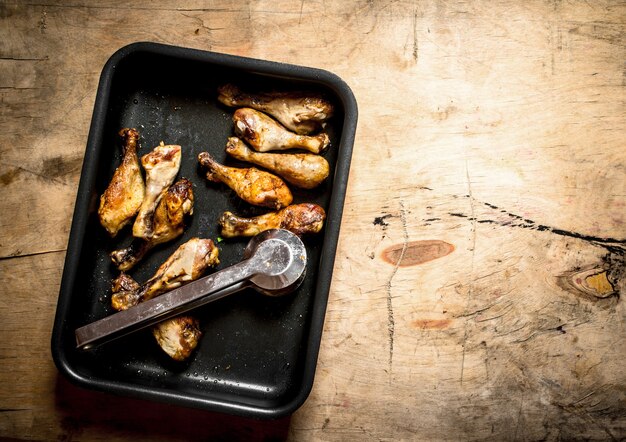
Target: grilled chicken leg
pixel 121 200
pixel 303 170
pixel 186 264
pixel 178 336
pixel 169 223
pixel 301 112
pixel 161 166
pixel 265 134
pixel 299 218
pixel 252 185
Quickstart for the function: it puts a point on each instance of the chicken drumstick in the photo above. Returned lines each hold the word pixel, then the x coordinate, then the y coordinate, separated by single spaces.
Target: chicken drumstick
pixel 265 134
pixel 121 200
pixel 300 169
pixel 161 166
pixel 252 185
pixel 298 218
pixel 301 112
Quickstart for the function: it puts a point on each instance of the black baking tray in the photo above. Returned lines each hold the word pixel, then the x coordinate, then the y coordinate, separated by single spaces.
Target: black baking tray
pixel 258 355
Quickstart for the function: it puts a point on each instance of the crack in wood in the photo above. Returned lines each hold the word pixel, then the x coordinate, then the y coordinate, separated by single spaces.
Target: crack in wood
pixel 301 10
pixel 415 42
pixel 391 324
pixel 525 223
pixel 471 283
pixel 19 254
pixel 596 284
pixel 126 7
pixel 23 58
pixel 617 245
pixel 20 88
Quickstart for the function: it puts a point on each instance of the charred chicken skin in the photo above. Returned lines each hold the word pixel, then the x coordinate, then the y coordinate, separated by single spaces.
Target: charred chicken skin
pixel 161 166
pixel 300 112
pixel 178 336
pixel 250 184
pixel 298 218
pixel 265 134
pixel 122 199
pixel 168 224
pixel 300 169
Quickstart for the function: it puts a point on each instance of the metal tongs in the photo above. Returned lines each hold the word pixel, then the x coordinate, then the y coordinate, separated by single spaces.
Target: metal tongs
pixel 274 264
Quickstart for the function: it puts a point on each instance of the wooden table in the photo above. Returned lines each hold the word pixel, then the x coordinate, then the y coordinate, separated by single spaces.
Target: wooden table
pixel 476 291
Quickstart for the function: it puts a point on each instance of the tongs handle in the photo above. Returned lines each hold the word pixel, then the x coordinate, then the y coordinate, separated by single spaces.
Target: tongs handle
pixel 173 303
pixel 275 264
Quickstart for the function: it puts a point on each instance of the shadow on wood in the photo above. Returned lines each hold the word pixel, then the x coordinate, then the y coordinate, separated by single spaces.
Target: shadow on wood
pixel 82 412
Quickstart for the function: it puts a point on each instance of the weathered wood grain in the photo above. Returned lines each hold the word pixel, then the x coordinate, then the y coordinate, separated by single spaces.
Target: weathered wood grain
pixel 477 292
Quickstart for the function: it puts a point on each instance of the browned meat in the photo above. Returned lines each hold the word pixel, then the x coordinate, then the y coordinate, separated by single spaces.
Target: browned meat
pixel 301 112
pixel 265 134
pixel 161 166
pixel 121 200
pixel 169 216
pixel 252 185
pixel 187 263
pixel 168 223
pixel 300 169
pixel 124 283
pixel 178 337
pixel 298 218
